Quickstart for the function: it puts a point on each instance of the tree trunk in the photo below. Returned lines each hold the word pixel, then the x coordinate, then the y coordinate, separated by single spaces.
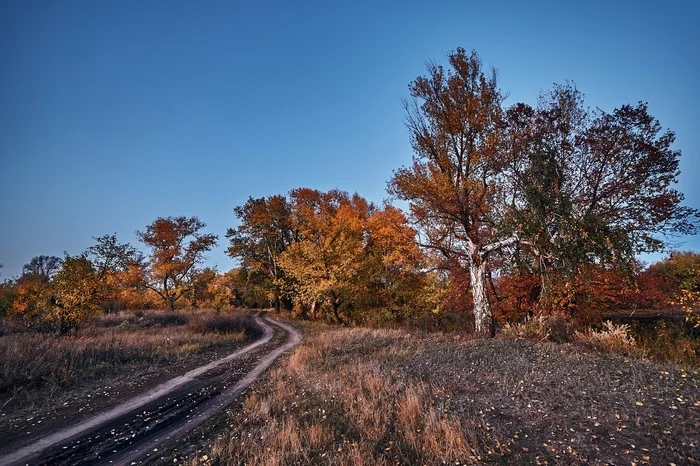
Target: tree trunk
pixel 278 304
pixel 483 317
pixel 336 314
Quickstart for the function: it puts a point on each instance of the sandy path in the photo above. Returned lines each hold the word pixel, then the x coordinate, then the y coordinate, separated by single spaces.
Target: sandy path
pixel 212 407
pixel 31 451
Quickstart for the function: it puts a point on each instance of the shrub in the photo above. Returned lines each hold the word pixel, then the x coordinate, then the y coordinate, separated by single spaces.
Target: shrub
pixel 165 320
pixel 612 337
pixel 561 329
pixel 225 324
pixel 554 328
pixel 669 341
pixel 532 328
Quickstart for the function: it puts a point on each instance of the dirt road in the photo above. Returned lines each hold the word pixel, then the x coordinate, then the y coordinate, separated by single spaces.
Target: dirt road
pixel 136 429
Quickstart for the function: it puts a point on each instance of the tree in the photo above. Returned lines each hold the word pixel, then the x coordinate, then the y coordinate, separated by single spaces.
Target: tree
pixel 43 267
pixel 264 234
pixel 229 290
pixel 327 254
pixel 596 185
pixel 177 247
pixel 222 290
pixel 31 300
pixel 75 294
pixel 552 187
pixel 325 264
pixel 456 178
pixel 115 265
pixel 199 293
pixel 682 271
pixel 8 294
pixel 68 300
pixel 109 256
pixel 393 269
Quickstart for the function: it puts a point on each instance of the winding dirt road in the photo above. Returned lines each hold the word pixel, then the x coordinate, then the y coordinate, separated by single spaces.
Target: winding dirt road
pixel 132 431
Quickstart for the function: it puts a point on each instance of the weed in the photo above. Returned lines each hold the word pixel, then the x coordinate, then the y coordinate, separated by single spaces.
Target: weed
pixel 612 337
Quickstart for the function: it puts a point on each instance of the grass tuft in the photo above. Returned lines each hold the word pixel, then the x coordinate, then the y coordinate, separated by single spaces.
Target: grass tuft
pixel 612 337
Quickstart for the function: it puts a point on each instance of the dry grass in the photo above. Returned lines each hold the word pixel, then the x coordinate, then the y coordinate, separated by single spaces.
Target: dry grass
pixel 366 397
pixel 532 329
pixel 671 342
pixel 667 342
pixel 331 404
pixel 540 328
pixel 612 337
pixel 30 361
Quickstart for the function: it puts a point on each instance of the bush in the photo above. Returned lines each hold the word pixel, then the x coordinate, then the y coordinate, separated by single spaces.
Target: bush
pixel 225 324
pixel 554 328
pixel 165 320
pixel 669 341
pixel 612 337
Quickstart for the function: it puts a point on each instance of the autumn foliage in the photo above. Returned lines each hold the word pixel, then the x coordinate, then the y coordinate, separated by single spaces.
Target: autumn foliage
pixel 328 255
pixel 513 212
pixel 556 191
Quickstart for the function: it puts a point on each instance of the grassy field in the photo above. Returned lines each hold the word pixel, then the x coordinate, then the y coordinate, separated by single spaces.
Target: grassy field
pixel 365 397
pixel 43 377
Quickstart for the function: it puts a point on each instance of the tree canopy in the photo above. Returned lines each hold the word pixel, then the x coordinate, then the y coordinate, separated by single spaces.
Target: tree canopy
pixel 264 233
pixel 556 185
pixel 177 248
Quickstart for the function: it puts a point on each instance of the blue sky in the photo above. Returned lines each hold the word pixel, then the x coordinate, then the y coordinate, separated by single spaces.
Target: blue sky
pixel 113 113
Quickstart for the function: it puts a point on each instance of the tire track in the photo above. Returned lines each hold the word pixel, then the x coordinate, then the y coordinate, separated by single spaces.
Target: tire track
pixel 212 406
pixel 169 410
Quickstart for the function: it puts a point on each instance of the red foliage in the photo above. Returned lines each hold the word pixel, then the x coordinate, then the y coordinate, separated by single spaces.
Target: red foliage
pixel 515 296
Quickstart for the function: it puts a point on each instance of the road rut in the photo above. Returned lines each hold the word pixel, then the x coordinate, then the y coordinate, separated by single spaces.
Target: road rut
pixel 134 429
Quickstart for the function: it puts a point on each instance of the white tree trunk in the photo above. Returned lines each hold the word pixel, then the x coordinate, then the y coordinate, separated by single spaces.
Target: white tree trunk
pixel 483 317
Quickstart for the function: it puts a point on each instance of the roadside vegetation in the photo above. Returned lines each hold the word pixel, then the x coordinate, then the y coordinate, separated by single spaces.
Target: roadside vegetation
pixel 121 352
pixel 364 397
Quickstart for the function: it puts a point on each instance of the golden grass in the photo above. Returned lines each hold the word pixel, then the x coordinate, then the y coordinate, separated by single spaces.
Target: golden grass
pixel 32 360
pixel 334 402
pixel 612 337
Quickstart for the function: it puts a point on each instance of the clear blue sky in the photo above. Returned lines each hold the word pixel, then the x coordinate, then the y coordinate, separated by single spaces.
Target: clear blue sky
pixel 113 113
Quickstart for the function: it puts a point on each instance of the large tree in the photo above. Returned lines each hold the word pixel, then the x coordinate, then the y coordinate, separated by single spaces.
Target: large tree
pixel 349 256
pixel 455 183
pixel 325 264
pixel 177 247
pixel 590 187
pixel 264 233
pixel 556 182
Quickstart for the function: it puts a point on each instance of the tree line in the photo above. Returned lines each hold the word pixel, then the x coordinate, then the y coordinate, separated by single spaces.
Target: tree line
pixel 513 210
pixel 61 293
